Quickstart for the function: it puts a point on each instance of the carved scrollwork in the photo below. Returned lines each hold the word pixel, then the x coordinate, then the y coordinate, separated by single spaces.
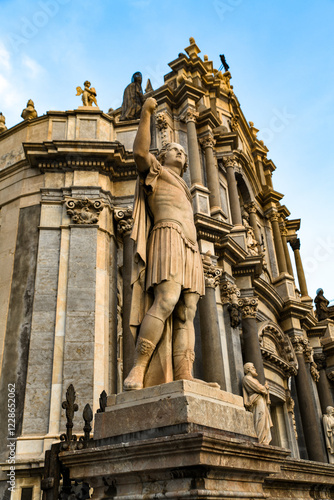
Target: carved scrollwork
pixel 124 218
pixel 248 306
pixel 161 121
pixel 230 161
pixel 212 273
pixel 162 126
pixel 314 372
pixel 320 361
pixel 230 295
pixel 84 211
pixel 302 346
pixel 190 115
pixel 207 142
pixel 290 404
pixel 276 347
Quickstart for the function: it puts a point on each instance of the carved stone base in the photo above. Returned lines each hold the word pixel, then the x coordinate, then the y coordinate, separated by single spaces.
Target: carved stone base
pixel 171 404
pixel 188 440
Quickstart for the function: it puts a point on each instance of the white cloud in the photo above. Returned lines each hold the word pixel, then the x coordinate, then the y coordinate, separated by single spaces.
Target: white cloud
pixel 4 58
pixel 34 68
pixel 11 94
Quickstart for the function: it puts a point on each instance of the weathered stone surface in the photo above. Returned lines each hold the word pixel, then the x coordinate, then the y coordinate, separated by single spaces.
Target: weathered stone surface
pixel 174 403
pixel 15 359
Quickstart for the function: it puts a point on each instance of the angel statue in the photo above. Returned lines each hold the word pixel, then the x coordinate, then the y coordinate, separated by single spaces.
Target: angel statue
pixel 88 94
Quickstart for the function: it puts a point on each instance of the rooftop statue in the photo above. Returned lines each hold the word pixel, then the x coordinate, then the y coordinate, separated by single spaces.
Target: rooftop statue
pixel 321 305
pixel 29 112
pixel 256 400
pixel 167 274
pixel 88 94
pixel 133 98
pixel 3 127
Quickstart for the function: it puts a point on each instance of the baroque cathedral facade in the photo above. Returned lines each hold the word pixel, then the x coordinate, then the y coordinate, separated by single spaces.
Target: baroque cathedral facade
pixel 67 186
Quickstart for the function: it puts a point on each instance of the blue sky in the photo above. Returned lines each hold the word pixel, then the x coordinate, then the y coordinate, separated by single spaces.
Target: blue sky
pixel 281 60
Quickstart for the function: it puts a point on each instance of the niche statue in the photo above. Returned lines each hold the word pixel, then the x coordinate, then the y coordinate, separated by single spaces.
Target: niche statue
pixel 133 98
pixel 256 400
pixel 167 274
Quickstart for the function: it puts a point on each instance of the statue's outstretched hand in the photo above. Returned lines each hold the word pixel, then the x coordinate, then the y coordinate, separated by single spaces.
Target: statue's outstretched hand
pixel 150 105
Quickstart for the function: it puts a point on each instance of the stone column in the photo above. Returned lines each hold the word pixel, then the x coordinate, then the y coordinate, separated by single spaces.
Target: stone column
pixel 310 419
pixel 295 245
pixel 284 233
pixel 212 358
pixel 190 117
pixel 324 390
pixel 230 295
pixel 207 144
pixel 278 243
pixel 230 164
pixel 250 337
pixel 124 228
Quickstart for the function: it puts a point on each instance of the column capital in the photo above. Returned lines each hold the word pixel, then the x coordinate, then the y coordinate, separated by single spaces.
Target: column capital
pixel 248 306
pixel 230 161
pixel 212 273
pixel 207 142
pixel 283 229
pixel 302 346
pixel 84 211
pixel 230 295
pixel 124 218
pixel 251 207
pixel 230 292
pixel 189 115
pixel 320 360
pixel 295 244
pixel 273 216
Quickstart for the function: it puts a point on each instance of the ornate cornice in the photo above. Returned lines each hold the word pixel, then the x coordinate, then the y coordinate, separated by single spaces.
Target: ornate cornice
pixel 84 211
pixel 248 306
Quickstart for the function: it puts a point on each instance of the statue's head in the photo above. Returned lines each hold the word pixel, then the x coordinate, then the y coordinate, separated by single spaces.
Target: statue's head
pixel 320 291
pixel 329 410
pixel 137 77
pixel 250 368
pixel 30 103
pixel 168 147
pixel 87 83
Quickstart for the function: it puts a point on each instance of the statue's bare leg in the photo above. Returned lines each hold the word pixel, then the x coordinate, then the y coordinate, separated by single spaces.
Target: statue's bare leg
pixel 184 336
pixel 166 296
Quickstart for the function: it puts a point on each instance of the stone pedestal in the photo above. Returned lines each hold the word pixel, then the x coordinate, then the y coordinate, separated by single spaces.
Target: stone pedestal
pixel 171 405
pixel 187 440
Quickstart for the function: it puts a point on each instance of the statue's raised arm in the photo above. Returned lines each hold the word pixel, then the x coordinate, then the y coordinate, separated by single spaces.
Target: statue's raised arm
pixel 141 145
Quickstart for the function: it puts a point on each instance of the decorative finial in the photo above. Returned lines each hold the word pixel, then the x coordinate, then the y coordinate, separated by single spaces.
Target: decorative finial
pixel 88 94
pixel 3 127
pixel 70 406
pixel 29 112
